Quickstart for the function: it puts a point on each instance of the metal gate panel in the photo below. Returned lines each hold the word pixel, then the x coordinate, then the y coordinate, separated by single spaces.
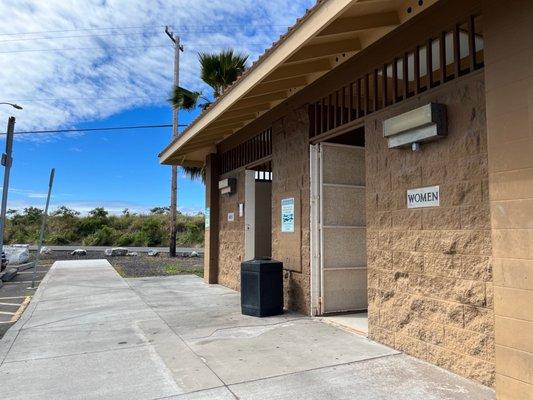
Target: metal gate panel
pixel 345 247
pixel 343 205
pixel 342 228
pixel 345 290
pixel 351 158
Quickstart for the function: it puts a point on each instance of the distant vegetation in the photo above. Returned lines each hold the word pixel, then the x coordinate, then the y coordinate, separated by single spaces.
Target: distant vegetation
pixel 66 227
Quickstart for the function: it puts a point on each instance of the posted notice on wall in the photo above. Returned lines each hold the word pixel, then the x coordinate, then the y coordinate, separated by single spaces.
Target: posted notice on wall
pixel 207 217
pixel 287 215
pixel 423 197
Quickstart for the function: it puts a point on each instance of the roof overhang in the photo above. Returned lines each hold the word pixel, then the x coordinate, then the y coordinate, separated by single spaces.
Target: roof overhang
pixel 329 34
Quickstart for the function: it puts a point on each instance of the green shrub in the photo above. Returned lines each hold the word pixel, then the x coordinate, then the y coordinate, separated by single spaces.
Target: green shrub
pixel 126 239
pixel 66 226
pixel 104 236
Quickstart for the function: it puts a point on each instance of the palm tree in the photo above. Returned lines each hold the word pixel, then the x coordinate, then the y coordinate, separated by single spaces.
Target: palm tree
pixel 185 99
pixel 218 70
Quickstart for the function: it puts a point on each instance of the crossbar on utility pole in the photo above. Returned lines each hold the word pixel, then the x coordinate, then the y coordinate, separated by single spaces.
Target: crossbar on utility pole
pixel 174 169
pixel 43 227
pixel 7 160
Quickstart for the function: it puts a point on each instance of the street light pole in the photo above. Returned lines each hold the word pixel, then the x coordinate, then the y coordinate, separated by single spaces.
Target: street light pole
pixel 174 169
pixel 7 160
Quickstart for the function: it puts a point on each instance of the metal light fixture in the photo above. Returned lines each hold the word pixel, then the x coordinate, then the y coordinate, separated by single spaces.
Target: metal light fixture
pixel 13 105
pixel 421 125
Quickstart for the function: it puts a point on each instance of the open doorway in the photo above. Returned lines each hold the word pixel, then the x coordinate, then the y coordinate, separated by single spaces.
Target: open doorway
pixel 258 213
pixel 338 231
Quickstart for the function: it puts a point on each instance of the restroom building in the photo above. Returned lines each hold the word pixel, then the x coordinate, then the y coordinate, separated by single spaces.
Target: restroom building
pixel 383 151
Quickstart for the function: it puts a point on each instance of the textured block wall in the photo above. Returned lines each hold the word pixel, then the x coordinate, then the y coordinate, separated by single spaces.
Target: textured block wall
pixel 290 167
pixel 430 275
pixel 231 238
pixel 509 93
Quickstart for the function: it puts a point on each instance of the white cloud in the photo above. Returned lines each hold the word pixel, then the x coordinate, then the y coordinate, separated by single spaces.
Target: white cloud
pixel 115 70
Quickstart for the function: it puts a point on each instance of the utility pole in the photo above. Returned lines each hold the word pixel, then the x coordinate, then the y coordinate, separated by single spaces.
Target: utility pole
pixel 7 160
pixel 174 174
pixel 43 227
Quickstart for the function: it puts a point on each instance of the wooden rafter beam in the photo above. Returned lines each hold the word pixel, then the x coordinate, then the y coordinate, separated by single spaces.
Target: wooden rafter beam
pixel 200 144
pixel 326 49
pixel 246 111
pixel 180 160
pixel 360 23
pixel 221 126
pixel 242 116
pixel 214 133
pixel 259 100
pixel 300 69
pixel 289 83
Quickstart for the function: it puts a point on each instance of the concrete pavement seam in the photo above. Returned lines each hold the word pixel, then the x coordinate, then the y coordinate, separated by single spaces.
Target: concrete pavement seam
pixel 249 326
pixel 183 341
pixel 318 368
pixel 174 396
pixel 78 354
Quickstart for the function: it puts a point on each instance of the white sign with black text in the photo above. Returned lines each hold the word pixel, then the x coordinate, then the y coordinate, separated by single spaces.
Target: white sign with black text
pixel 423 197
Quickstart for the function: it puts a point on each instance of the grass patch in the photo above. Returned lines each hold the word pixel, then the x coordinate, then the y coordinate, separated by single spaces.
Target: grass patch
pixel 177 269
pixel 120 270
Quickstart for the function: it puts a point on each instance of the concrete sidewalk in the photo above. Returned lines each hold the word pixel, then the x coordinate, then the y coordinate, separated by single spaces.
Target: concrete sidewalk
pixel 89 334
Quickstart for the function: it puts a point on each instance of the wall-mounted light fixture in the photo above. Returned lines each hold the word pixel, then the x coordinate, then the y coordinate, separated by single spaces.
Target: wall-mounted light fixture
pixel 421 125
pixel 227 186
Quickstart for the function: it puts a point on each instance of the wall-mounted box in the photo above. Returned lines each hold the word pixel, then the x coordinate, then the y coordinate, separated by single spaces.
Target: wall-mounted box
pixel 227 186
pixel 423 124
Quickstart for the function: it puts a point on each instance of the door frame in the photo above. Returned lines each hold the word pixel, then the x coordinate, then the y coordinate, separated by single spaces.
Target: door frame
pixel 315 308
pixel 249 214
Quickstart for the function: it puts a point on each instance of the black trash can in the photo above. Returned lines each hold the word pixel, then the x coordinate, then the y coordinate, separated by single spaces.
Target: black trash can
pixel 262 287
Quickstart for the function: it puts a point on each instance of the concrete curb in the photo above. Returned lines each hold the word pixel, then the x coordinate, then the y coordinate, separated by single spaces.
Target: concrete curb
pixel 11 335
pixel 24 267
pixel 8 274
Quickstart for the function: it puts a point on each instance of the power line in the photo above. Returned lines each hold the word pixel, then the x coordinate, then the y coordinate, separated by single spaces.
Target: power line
pixel 126 47
pixel 74 36
pixel 146 97
pixel 112 128
pixel 79 29
pixel 82 48
pixel 205 29
pixel 181 27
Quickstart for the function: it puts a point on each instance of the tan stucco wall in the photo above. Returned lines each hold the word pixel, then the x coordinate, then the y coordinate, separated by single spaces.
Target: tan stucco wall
pixel 231 236
pixel 290 167
pixel 509 92
pixel 430 280
pixel 290 170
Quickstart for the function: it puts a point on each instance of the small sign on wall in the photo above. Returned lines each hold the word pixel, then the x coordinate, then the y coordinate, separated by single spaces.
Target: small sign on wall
pixel 287 215
pixel 423 197
pixel 207 217
pixel 231 217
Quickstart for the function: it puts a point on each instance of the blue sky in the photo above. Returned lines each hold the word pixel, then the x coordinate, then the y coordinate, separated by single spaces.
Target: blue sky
pixel 91 66
pixel 115 169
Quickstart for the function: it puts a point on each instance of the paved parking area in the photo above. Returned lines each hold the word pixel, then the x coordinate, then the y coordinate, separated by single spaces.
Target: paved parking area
pixel 89 334
pixel 15 295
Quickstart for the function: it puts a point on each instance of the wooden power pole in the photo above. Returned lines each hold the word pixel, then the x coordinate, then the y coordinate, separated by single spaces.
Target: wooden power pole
pixel 174 174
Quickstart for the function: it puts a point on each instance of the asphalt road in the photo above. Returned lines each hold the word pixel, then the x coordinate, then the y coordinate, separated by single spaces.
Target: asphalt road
pixel 131 248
